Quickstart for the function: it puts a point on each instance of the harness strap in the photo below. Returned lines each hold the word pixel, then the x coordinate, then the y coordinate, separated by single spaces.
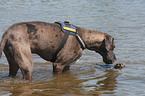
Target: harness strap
pixel 65 37
pixel 80 40
pixel 68 29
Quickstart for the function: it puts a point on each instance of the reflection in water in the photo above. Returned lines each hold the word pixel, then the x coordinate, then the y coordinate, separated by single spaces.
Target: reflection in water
pixel 104 84
pixel 65 84
pixel 22 91
pixel 109 83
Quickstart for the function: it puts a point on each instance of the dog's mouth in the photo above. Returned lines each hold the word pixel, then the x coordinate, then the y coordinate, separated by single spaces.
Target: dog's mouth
pixel 108 61
pixel 109 58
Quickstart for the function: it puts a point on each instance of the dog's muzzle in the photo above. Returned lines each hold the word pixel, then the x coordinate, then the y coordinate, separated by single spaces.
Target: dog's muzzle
pixel 109 57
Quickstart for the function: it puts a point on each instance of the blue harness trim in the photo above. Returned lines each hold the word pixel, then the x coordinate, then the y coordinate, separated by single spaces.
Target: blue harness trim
pixel 68 29
pixel 66 24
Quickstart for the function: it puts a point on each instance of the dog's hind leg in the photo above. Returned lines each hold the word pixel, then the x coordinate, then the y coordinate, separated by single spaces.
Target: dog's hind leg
pixel 19 56
pixel 13 65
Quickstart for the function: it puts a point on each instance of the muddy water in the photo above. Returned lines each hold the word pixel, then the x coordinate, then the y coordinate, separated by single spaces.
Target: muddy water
pixel 123 19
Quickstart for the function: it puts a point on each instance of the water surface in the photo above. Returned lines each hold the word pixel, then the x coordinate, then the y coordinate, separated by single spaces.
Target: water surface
pixel 122 19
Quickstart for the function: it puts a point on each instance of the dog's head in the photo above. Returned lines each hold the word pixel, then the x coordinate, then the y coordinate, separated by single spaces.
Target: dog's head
pixel 104 45
pixel 106 49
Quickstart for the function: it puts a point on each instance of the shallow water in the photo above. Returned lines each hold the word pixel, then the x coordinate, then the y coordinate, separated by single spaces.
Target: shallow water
pixel 123 19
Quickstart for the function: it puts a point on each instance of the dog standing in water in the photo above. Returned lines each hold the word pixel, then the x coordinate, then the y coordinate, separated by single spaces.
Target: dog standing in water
pixel 22 39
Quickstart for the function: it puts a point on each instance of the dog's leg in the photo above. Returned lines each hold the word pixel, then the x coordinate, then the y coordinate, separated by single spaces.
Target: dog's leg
pixel 58 68
pixel 13 66
pixel 26 64
pixel 19 56
pixel 66 68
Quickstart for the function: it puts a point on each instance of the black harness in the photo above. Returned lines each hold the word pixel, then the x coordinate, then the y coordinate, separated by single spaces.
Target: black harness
pixel 68 29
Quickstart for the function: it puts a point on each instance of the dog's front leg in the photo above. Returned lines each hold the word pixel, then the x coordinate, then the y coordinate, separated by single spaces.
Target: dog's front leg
pixel 58 68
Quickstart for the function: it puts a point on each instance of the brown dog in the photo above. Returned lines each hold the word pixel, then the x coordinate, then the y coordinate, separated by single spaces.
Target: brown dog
pixel 22 39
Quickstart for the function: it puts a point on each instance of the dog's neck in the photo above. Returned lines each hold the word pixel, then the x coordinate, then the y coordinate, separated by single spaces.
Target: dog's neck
pixel 91 37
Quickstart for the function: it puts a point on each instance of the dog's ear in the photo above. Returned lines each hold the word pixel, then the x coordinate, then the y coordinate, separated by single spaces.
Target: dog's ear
pixel 108 42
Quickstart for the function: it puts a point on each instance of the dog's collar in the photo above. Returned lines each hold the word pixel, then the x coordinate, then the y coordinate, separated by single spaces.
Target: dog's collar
pixel 68 29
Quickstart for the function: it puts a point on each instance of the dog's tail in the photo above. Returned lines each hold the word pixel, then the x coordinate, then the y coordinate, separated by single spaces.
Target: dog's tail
pixel 2 44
